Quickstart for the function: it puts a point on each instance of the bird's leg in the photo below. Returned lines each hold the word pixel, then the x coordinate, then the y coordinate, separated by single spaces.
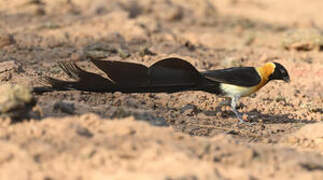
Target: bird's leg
pixel 234 101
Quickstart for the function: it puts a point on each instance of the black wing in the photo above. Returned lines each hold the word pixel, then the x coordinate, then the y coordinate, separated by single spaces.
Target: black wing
pixel 241 76
pixel 173 72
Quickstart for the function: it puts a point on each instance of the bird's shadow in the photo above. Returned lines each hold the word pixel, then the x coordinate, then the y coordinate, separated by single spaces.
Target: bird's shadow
pixel 256 115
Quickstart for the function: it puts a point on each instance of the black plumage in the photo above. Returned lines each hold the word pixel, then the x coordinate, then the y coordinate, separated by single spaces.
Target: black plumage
pixel 168 75
pixel 240 76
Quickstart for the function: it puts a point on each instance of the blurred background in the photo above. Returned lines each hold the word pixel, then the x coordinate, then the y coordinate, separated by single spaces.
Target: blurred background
pixel 230 24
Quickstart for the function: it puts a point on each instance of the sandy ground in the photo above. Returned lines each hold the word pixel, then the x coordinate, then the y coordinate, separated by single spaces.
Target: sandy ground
pixel 180 136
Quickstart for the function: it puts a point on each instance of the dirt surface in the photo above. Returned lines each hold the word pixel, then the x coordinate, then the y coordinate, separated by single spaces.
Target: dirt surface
pixel 186 135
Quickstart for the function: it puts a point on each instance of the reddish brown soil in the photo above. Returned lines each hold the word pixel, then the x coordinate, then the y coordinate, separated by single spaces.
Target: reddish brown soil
pixel 186 135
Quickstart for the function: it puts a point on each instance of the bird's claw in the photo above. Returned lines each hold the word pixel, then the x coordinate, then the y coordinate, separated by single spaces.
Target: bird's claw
pixel 241 121
pixel 244 122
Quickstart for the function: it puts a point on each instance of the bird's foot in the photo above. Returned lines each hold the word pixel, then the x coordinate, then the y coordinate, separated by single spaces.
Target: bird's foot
pixel 233 106
pixel 241 121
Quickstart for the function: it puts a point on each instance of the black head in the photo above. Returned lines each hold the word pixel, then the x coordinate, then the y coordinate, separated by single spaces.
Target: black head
pixel 280 73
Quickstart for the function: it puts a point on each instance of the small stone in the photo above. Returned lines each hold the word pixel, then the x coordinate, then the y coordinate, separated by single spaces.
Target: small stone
pixel 64 107
pixel 77 56
pixel 40 11
pixel 267 140
pixel 9 66
pixel 223 108
pixel 190 110
pixel 303 40
pixel 123 53
pixel 82 131
pixel 146 51
pixel 245 117
pixel 6 76
pixel 189 46
pixel 292 140
pixel 16 101
pixel 173 13
pixel 6 39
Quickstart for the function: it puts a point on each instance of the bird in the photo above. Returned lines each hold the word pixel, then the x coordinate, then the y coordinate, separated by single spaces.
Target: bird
pixel 168 75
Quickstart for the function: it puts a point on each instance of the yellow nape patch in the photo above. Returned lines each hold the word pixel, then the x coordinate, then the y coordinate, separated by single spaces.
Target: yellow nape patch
pixel 266 70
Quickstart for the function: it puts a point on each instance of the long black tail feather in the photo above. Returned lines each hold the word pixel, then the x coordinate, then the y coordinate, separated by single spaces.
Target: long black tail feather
pixel 167 75
pixel 83 80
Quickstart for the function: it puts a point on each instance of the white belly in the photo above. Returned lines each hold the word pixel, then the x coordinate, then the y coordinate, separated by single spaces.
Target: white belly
pixel 233 90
